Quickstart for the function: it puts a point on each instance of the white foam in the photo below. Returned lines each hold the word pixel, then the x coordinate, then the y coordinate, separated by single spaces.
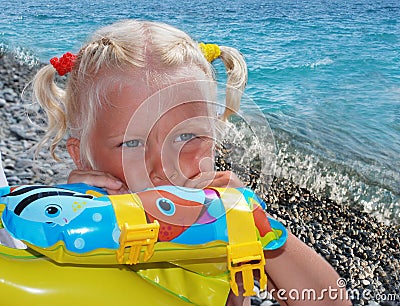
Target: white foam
pixel 338 183
pixel 322 62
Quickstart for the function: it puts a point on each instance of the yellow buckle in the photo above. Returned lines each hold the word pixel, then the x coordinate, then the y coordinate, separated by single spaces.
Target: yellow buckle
pixel 244 258
pixel 136 237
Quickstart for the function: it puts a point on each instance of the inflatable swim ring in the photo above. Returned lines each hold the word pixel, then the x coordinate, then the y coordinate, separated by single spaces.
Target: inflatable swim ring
pixel 153 247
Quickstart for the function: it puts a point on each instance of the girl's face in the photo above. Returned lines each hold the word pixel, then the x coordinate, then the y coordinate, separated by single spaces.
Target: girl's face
pixel 148 138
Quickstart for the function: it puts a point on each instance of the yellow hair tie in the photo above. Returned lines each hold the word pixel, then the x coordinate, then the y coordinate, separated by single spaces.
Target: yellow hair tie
pixel 210 51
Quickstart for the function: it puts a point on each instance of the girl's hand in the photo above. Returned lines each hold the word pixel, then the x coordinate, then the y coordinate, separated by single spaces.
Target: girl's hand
pixel 99 179
pixel 225 179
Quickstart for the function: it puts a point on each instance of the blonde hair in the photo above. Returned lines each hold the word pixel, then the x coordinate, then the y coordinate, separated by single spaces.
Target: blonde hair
pixel 124 45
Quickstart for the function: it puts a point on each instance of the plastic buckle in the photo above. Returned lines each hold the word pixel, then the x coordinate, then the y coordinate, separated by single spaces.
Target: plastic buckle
pixel 244 258
pixel 136 237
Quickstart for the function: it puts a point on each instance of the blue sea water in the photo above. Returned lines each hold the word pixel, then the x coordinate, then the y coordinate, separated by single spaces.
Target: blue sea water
pixel 326 74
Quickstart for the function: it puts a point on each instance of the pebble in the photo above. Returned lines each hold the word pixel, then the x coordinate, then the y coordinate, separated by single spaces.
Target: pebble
pixel 310 235
pixel 9 94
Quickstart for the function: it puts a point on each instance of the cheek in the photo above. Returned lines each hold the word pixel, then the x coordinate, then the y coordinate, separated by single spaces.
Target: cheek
pixel 107 160
pixel 110 163
pixel 198 159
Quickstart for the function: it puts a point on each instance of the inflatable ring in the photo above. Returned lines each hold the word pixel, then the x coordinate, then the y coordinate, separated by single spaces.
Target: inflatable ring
pixel 177 239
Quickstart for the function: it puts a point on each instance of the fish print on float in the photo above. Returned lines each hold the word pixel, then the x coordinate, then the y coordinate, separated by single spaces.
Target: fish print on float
pixel 84 218
pixel 44 215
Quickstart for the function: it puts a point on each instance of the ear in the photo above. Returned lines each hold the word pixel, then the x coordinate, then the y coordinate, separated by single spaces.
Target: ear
pixel 74 150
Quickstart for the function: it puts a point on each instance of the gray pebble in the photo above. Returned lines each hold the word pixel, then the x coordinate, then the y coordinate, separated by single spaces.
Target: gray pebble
pixel 2 102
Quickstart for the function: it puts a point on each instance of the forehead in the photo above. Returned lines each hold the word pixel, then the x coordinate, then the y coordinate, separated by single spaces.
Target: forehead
pixel 157 91
pixel 178 80
pixel 131 98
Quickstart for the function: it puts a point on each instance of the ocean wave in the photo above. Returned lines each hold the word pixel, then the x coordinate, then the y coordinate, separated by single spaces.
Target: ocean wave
pixel 338 182
pixel 24 56
pixel 365 184
pixel 279 153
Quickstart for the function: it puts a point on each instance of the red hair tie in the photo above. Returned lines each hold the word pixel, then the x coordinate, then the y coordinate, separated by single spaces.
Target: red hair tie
pixel 64 64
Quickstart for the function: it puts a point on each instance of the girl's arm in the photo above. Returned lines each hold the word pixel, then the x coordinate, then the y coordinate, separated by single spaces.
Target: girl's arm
pixel 99 179
pixel 299 276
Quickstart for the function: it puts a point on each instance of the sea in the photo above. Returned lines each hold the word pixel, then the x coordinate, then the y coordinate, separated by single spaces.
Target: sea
pixel 325 75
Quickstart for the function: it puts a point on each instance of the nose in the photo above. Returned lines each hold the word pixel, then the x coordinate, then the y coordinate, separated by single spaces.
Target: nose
pixel 161 166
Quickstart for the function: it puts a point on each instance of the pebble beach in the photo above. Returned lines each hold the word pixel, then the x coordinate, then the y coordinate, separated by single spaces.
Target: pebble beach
pixel 363 251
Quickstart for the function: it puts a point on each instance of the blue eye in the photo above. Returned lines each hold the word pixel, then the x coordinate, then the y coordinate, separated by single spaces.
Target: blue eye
pixel 134 143
pixel 167 207
pixel 52 211
pixel 185 137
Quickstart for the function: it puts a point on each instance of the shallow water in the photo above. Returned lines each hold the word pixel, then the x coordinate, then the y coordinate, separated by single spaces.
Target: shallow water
pixel 326 75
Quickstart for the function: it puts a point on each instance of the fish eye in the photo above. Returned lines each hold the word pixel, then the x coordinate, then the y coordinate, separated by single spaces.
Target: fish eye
pixel 166 206
pixel 52 210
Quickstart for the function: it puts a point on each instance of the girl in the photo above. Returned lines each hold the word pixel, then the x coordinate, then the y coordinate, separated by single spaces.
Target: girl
pixel 139 107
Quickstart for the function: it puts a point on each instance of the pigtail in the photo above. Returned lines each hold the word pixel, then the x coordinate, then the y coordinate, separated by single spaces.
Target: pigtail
pixel 236 69
pixel 51 98
pixel 179 48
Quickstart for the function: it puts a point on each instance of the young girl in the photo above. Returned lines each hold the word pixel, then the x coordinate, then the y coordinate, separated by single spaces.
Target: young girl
pixel 139 108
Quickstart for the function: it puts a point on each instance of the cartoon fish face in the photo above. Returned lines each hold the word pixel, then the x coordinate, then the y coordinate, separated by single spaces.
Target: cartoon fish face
pixel 49 204
pixel 175 214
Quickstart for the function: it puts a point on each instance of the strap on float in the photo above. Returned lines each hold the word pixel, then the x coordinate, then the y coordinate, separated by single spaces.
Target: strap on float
pixel 245 251
pixel 135 232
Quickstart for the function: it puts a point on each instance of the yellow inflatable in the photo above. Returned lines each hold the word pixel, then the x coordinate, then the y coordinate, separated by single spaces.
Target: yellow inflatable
pixel 78 255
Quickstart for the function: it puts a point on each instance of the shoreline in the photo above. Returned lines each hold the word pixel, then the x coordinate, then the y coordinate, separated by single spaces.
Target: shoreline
pixel 364 251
